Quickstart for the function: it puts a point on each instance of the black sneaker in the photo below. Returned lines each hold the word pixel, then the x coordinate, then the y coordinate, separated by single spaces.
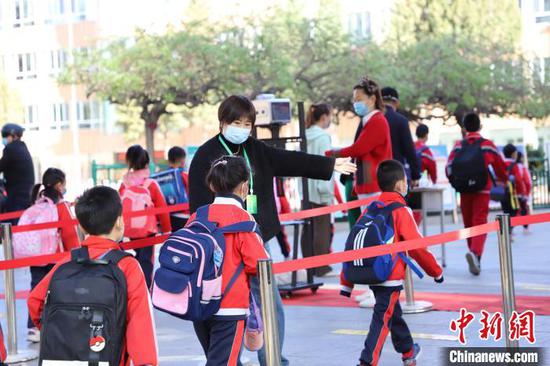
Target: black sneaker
pixel 473 263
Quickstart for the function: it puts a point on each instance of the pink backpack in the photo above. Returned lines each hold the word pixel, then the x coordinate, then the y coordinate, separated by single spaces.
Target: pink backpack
pixel 138 198
pixel 37 242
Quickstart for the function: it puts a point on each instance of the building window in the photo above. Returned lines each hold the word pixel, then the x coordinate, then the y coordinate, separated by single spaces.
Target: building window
pixel 23 13
pixel 78 8
pixel 26 66
pixel 359 25
pixel 59 9
pixel 31 117
pixel 60 116
pixel 88 114
pixel 58 60
pixel 546 5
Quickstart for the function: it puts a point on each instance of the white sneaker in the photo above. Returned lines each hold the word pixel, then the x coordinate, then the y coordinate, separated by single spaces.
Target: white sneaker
pixel 473 263
pixel 33 335
pixel 365 295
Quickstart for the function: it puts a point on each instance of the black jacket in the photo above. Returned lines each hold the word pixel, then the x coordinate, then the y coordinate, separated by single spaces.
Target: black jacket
pixel 17 166
pixel 401 141
pixel 267 162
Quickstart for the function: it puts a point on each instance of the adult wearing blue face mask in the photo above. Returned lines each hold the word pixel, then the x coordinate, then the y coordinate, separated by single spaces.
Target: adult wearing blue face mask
pixel 18 169
pixel 237 115
pixel 372 143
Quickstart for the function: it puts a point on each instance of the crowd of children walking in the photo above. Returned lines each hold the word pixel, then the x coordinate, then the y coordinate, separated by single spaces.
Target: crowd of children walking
pixel 122 326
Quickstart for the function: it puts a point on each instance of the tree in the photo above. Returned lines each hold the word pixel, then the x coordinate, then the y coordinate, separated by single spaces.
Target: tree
pixel 153 71
pixel 458 56
pixel 11 108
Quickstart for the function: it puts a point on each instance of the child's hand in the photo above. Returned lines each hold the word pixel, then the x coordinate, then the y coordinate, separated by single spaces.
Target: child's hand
pixel 439 279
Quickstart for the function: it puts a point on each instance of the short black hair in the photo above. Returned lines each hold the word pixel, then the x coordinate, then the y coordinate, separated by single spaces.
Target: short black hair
pixel 236 107
pixel 226 173
pixel 508 150
pixel 176 153
pixel 98 209
pixel 520 157
pixel 471 122
pixel 388 174
pixel 422 131
pixel 137 157
pixel 389 93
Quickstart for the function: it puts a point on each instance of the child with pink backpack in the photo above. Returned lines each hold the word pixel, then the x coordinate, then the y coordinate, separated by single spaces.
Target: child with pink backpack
pixel 139 192
pixel 48 206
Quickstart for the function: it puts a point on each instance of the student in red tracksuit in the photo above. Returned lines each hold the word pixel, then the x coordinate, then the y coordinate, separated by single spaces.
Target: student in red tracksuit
pixel 528 183
pixel 53 186
pixel 512 205
pixel 475 206
pixel 372 140
pixel 426 156
pixel 99 213
pixel 388 316
pixel 221 336
pixel 138 174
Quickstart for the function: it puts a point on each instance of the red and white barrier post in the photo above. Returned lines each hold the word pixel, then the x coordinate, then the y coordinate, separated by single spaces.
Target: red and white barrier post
pixel 506 275
pixel 14 355
pixel 269 315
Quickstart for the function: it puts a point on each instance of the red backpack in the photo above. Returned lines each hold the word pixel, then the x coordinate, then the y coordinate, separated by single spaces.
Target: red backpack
pixel 138 198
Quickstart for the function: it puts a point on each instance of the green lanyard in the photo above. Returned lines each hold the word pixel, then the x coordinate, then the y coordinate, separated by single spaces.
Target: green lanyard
pixel 247 162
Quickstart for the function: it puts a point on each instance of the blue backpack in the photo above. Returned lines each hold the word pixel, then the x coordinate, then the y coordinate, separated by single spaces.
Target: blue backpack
pixel 374 228
pixel 188 284
pixel 171 186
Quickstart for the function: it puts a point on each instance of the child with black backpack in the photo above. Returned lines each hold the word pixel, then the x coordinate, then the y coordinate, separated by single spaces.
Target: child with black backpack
pixel 511 205
pixel 468 172
pixel 139 192
pixel 94 307
pixel 387 221
pixel 222 240
pixel 47 206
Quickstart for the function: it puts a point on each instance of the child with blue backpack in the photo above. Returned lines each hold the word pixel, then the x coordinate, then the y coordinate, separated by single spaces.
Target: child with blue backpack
pixel 220 326
pixel 387 221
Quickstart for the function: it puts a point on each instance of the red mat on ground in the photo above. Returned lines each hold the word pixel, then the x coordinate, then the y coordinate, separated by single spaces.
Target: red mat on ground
pixel 441 301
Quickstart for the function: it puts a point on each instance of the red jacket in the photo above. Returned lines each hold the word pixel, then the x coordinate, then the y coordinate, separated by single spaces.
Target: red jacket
pixel 517 173
pixel 492 157
pixel 140 344
pixel 405 228
pixel 526 175
pixel 68 233
pixel 427 160
pixel 138 178
pixel 246 248
pixel 371 147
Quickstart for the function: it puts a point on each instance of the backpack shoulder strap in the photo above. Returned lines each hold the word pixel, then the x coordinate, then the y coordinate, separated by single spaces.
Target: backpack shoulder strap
pixel 510 168
pixel 202 218
pixel 236 275
pixel 80 254
pixel 241 227
pixel 115 256
pixel 410 263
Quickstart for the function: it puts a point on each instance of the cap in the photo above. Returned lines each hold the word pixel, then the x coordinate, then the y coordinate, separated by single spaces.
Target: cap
pixel 389 93
pixel 12 129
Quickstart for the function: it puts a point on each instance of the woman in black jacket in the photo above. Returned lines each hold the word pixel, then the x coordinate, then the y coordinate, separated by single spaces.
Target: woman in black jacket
pixel 237 116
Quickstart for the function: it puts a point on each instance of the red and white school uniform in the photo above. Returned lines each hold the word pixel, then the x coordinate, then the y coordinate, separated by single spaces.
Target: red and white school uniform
pixel 221 335
pixel 140 345
pixel 475 206
pixel 387 314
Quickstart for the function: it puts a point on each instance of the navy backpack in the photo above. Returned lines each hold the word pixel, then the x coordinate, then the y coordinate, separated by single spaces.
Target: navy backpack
pixel 171 186
pixel 374 228
pixel 188 283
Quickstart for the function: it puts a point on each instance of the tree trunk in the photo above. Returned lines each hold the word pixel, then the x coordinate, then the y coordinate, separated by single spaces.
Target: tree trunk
pixel 150 139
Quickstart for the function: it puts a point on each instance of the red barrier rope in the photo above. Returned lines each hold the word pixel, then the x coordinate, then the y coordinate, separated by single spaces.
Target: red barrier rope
pixel 56 224
pixel 306 214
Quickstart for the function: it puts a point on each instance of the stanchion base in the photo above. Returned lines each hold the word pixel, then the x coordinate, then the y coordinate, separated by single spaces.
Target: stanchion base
pixel 416 307
pixel 22 356
pixel 287 290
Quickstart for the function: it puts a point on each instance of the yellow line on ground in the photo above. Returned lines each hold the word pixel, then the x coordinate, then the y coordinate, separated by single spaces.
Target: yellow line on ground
pixel 360 332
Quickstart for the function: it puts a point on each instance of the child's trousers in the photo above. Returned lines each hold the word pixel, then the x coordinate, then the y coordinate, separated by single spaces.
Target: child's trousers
pixel 221 340
pixel 387 316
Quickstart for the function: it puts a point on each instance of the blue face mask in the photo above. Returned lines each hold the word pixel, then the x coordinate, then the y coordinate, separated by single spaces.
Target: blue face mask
pixel 236 135
pixel 5 141
pixel 361 109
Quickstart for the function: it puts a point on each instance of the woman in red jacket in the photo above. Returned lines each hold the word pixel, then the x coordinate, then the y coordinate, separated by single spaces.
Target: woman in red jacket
pixel 372 140
pixel 139 192
pixel 52 188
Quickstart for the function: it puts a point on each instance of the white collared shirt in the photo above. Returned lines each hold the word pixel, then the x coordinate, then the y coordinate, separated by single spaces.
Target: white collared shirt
pixel 366 118
pixel 227 201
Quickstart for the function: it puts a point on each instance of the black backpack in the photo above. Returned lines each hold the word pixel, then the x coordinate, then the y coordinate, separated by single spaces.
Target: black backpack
pixel 84 317
pixel 468 170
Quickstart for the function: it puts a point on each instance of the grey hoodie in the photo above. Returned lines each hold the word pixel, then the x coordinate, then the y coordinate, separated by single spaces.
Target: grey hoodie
pixel 321 192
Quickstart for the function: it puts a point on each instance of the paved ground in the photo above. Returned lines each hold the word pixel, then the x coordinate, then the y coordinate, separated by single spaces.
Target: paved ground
pixel 333 336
